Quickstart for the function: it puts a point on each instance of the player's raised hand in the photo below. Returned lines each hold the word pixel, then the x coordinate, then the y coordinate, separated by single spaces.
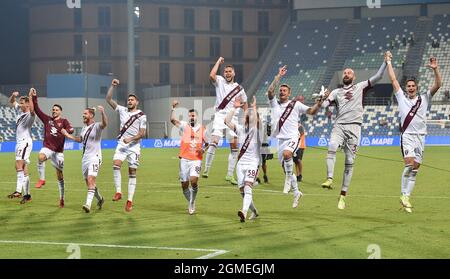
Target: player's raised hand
pixel 326 94
pixel 175 103
pixel 15 94
pixel 101 109
pixel 32 92
pixel 387 56
pixel 221 60
pixel 433 63
pixel 282 71
pixel 115 82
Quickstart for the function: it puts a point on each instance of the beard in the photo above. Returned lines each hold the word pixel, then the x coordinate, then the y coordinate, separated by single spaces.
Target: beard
pixel 192 122
pixel 347 81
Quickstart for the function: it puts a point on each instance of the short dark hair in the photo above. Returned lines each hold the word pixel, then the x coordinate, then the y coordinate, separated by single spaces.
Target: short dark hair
pixel 25 99
pixel 411 79
pixel 193 110
pixel 228 66
pixel 59 106
pixel 133 95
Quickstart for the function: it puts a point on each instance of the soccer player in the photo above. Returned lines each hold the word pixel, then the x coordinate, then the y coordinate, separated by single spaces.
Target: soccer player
pixel 413 115
pixel 133 124
pixel 286 114
pixel 299 154
pixel 53 144
pixel 226 93
pixel 347 127
pixel 248 158
pixel 91 137
pixel 24 144
pixel 191 153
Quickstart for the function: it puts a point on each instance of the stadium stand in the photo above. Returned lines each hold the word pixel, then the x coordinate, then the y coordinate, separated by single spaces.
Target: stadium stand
pixel 375 36
pixel 8 125
pixel 437 45
pixel 306 48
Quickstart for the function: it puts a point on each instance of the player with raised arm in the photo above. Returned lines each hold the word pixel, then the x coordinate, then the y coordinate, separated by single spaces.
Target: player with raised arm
pixel 346 132
pixel 133 124
pixel 413 116
pixel 91 137
pixel 227 90
pixel 286 114
pixel 248 158
pixel 53 144
pixel 24 144
pixel 191 153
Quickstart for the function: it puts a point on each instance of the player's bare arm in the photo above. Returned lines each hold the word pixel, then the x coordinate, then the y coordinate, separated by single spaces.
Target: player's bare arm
pixel 213 73
pixel 109 95
pixel 254 111
pixel 137 137
pixel 173 120
pixel 437 75
pixel 391 73
pixel 271 91
pixel 104 122
pixel 12 99
pixel 69 136
pixel 319 101
pixel 31 93
pixel 229 117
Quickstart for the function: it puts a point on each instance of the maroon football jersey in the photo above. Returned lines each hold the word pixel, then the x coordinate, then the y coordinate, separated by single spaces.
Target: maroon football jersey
pixel 53 138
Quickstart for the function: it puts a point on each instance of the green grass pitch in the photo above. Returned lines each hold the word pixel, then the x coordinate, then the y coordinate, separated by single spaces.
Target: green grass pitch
pixel 159 226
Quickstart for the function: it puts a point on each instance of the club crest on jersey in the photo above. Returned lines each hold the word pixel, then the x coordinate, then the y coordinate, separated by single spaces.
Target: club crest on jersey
pixel 54 131
pixel 348 95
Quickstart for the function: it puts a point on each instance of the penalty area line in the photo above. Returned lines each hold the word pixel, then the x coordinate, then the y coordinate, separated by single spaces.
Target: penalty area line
pixel 212 252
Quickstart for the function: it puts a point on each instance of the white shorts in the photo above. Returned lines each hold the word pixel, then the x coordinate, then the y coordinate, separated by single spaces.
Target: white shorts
pixel 346 136
pixel 289 145
pixel 90 167
pixel 219 125
pixel 23 150
pixel 246 173
pixel 189 168
pixel 131 154
pixel 57 158
pixel 413 145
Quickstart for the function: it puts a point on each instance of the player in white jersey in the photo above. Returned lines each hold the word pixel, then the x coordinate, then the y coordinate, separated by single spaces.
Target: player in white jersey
pixel 24 144
pixel 248 158
pixel 226 93
pixel 133 124
pixel 346 132
pixel 286 114
pixel 413 115
pixel 91 137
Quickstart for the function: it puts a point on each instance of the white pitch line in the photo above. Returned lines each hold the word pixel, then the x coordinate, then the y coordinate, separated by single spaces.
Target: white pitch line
pixel 214 252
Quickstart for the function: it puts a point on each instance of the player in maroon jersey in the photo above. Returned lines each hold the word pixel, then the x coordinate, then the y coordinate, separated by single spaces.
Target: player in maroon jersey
pixel 53 145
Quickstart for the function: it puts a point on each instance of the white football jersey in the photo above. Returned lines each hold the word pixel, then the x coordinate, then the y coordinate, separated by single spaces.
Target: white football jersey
pixel 290 127
pixel 252 153
pixel 222 90
pixel 24 122
pixel 418 125
pixel 91 137
pixel 133 130
pixel 349 102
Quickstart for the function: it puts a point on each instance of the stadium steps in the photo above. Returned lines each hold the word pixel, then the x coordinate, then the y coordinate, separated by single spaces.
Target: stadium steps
pixel 340 54
pixel 415 54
